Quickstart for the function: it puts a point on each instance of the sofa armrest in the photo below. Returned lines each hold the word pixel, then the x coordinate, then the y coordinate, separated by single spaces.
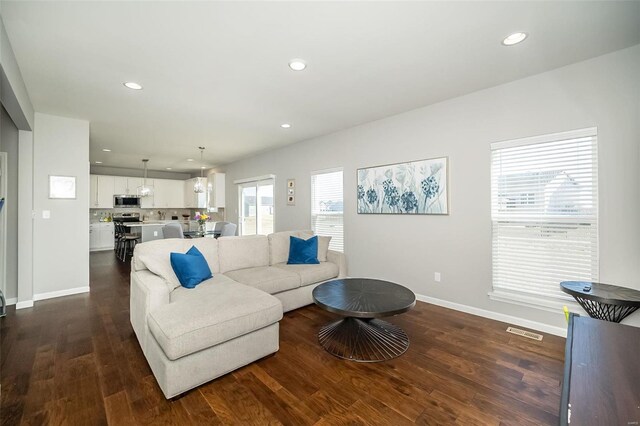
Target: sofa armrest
pixel 148 292
pixel 340 260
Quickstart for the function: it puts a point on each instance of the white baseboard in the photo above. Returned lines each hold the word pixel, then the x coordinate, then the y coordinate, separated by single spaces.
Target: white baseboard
pixel 24 304
pixel 534 325
pixel 11 301
pixel 67 292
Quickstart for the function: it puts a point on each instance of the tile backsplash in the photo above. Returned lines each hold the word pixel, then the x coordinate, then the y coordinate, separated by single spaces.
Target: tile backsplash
pixel 154 214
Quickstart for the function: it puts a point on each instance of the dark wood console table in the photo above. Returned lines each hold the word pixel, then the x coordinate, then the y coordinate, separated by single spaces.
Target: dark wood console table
pixel 603 301
pixel 601 384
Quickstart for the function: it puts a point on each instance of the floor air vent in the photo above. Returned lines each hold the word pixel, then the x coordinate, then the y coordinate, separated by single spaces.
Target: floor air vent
pixel 527 334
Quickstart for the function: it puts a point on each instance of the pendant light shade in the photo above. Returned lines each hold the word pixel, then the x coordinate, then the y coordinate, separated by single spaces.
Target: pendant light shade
pixel 199 186
pixel 144 190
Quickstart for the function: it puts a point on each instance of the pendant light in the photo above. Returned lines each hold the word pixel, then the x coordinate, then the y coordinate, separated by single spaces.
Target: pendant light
pixel 198 187
pixel 144 190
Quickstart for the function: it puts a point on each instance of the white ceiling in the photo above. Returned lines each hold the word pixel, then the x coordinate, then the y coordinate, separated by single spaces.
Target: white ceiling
pixel 216 74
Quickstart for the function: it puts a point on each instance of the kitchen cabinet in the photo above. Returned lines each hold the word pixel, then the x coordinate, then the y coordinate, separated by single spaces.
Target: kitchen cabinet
pixel 102 191
pixel 127 185
pixel 169 193
pixel 194 200
pixel 215 186
pixel 101 236
pixel 165 193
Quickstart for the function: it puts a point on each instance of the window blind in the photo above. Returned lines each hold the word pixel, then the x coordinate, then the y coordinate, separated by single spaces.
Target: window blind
pixel 327 207
pixel 544 209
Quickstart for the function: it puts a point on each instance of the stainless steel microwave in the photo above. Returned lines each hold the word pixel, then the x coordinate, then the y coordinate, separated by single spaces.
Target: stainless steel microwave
pixel 126 201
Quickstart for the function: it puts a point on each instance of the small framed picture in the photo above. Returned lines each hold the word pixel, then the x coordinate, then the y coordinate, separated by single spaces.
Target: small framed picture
pixel 291 200
pixel 291 183
pixel 62 187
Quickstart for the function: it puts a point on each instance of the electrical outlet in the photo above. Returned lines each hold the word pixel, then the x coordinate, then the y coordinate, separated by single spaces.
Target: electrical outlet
pixel 155 233
pixel 46 214
pixel 437 277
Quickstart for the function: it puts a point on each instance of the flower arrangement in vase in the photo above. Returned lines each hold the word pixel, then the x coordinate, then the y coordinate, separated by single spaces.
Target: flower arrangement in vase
pixel 202 220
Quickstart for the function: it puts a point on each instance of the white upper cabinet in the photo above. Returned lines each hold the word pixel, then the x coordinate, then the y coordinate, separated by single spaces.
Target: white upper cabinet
pixel 102 191
pixel 126 185
pixel 165 193
pixel 168 193
pixel 215 186
pixel 194 200
pixel 120 186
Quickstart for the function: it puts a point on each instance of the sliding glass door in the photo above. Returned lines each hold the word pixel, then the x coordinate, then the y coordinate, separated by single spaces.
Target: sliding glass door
pixel 256 207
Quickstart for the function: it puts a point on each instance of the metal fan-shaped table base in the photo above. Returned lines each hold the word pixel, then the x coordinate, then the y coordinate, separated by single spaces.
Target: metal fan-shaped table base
pixel 363 340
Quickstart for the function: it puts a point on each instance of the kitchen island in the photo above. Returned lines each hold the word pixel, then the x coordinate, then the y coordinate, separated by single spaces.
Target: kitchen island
pixel 152 230
pixel 148 231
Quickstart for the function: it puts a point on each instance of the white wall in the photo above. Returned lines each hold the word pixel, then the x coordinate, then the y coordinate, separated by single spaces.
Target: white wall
pixel 602 92
pixel 61 243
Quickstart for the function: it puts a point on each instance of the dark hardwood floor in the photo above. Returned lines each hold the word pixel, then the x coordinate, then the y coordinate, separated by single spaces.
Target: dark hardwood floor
pixel 76 361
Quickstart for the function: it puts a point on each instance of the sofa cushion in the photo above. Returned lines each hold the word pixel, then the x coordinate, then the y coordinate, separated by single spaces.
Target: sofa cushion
pixel 311 274
pixel 279 244
pixel 209 249
pixel 191 267
pixel 266 278
pixel 155 256
pixel 243 252
pixel 303 251
pixel 323 247
pixel 210 314
pixel 203 290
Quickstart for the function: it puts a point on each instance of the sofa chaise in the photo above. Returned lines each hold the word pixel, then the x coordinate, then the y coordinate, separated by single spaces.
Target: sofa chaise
pixel 191 336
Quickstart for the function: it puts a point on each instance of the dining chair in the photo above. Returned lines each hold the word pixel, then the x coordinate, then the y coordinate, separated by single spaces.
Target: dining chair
pixel 228 230
pixel 172 230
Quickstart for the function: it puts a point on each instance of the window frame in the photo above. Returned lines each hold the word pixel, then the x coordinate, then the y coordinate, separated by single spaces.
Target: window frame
pixel 551 303
pixel 311 199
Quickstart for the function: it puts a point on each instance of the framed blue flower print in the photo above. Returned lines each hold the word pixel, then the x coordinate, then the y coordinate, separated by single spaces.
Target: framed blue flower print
pixel 416 187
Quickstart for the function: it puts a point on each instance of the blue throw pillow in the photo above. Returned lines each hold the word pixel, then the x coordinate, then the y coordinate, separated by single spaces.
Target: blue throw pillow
pixel 190 268
pixel 303 252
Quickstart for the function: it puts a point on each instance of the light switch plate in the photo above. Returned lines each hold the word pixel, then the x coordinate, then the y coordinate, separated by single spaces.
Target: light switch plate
pixel 436 277
pixel 46 214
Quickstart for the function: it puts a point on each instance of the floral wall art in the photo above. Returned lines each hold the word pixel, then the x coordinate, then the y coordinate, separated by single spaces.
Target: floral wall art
pixel 416 187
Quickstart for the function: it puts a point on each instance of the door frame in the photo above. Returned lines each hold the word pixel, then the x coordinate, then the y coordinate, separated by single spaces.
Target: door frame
pixel 3 222
pixel 255 182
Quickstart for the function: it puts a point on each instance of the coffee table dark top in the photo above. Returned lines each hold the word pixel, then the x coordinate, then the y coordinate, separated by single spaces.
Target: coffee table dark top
pixel 363 297
pixel 602 293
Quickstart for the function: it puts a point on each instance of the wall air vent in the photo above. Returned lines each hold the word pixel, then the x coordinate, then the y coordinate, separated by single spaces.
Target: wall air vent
pixel 523 333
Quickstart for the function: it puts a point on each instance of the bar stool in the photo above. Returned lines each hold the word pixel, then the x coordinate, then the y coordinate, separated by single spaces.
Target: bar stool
pixel 126 242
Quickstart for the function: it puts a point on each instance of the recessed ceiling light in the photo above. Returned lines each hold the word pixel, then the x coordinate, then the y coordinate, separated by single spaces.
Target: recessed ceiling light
pixel 132 85
pixel 285 125
pixel 189 159
pixel 514 38
pixel 202 167
pixel 98 162
pixel 168 168
pixel 297 64
pixel 106 149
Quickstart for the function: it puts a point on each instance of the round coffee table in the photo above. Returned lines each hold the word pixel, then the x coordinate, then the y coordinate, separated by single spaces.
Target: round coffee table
pixel 361 336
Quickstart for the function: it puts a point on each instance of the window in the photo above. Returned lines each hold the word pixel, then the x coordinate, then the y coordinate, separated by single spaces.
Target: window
pixel 256 206
pixel 327 207
pixel 544 210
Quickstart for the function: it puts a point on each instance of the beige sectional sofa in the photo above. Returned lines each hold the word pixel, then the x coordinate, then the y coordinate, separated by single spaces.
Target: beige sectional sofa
pixel 191 336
